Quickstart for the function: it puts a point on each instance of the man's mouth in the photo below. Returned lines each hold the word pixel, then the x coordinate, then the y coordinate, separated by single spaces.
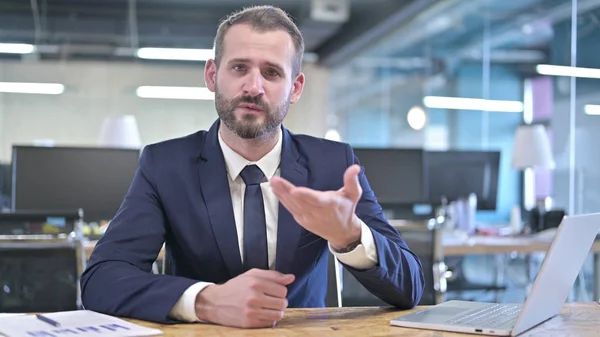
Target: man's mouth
pixel 251 106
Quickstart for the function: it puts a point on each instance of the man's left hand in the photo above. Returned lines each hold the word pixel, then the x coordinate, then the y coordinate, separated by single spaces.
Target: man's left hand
pixel 328 214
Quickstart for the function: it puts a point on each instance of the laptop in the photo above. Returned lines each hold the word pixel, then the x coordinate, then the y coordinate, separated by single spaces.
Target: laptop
pixel 564 259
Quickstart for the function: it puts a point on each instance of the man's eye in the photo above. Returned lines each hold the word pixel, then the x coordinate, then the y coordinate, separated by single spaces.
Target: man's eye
pixel 239 68
pixel 272 72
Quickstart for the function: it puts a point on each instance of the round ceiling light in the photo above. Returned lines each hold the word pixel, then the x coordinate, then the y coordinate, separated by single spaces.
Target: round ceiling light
pixel 417 118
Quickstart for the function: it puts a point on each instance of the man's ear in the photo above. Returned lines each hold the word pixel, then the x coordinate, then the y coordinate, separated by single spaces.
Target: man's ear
pixel 210 74
pixel 297 88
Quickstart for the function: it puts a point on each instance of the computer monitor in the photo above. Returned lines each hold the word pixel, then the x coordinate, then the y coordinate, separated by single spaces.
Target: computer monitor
pixel 395 175
pixel 456 174
pixel 66 178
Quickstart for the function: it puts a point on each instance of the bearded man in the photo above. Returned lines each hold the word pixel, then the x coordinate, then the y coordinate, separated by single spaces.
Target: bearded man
pixel 248 211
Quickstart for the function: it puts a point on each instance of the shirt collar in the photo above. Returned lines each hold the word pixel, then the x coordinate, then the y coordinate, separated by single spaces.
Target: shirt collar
pixel 236 163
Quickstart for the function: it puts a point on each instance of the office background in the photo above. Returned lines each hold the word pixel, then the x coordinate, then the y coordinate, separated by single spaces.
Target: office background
pixel 379 75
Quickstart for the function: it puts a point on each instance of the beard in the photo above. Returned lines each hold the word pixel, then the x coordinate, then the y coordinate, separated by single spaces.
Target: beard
pixel 249 126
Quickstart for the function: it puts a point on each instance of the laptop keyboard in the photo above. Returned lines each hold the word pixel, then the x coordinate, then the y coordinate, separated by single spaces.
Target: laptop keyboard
pixel 493 316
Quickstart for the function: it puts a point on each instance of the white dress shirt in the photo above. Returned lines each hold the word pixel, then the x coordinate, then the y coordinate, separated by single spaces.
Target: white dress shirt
pixel 364 256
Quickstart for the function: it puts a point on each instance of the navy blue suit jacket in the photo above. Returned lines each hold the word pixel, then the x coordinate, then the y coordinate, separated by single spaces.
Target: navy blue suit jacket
pixel 180 195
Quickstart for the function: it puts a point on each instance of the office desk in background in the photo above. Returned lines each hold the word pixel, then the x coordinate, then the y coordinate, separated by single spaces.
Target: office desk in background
pixel 474 245
pixel 576 319
pixel 499 245
pixel 491 245
pixel 484 245
pixel 90 245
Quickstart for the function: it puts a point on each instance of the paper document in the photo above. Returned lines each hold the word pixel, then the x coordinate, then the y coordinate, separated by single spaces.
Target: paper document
pixel 80 323
pixel 9 315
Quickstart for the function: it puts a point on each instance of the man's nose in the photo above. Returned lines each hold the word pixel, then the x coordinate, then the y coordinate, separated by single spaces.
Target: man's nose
pixel 254 84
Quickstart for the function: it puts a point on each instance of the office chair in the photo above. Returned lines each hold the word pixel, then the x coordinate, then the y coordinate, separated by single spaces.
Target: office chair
pixel 334 296
pixel 41 260
pixel 38 278
pixel 423 240
pixel 460 286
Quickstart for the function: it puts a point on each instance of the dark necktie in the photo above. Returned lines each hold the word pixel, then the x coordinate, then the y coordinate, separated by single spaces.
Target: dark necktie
pixel 255 226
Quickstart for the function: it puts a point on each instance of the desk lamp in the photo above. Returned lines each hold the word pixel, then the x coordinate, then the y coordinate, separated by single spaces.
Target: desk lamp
pixel 121 132
pixel 532 151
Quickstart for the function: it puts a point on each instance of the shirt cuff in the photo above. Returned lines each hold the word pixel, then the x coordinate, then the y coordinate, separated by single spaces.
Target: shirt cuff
pixel 185 308
pixel 364 256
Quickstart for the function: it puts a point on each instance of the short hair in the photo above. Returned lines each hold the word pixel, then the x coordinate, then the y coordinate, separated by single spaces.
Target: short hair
pixel 262 19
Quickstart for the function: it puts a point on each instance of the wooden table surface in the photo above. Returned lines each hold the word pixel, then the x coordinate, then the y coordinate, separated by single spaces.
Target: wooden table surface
pixel 576 319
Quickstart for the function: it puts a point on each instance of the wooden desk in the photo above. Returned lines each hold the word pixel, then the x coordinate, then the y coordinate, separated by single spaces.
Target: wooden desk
pixel 489 245
pixel 90 245
pixel 580 319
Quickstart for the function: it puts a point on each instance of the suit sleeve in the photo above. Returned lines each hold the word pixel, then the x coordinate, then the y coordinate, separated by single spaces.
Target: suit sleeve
pixel 118 279
pixel 398 277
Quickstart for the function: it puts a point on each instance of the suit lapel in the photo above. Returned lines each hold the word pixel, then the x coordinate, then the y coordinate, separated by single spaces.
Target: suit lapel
pixel 288 230
pixel 216 193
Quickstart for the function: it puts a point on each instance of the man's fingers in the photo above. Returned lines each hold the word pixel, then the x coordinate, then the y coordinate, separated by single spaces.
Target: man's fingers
pixel 281 184
pixel 304 199
pixel 309 196
pixel 273 289
pixel 284 191
pixel 287 279
pixel 281 187
pixel 271 275
pixel 314 198
pixel 289 202
pixel 275 303
pixel 352 187
pixel 294 198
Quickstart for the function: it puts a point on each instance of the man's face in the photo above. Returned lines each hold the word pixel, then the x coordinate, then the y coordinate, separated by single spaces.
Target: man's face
pixel 253 85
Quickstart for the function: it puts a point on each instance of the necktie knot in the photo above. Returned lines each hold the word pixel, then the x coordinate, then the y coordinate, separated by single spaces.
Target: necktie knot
pixel 252 175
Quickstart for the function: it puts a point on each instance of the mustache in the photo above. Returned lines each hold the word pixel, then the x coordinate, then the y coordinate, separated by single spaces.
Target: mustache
pixel 256 100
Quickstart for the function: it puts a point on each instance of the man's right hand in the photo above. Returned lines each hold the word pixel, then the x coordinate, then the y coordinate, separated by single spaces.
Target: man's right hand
pixel 255 299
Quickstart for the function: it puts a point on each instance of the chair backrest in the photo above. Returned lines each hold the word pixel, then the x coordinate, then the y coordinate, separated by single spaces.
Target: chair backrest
pixel 423 240
pixel 552 219
pixel 165 261
pixel 41 260
pixel 333 297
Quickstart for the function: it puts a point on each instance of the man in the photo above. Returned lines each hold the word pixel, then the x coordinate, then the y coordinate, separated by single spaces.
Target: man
pixel 249 211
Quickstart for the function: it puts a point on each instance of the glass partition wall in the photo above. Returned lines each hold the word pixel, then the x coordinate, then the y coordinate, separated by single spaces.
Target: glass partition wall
pixel 467 75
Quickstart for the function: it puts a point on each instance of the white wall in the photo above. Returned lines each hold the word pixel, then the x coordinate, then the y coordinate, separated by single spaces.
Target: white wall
pixel 309 114
pixel 95 90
